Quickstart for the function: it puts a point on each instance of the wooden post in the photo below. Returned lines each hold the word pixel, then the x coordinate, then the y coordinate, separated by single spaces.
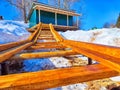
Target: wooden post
pixel 89 61
pixel 55 18
pixel 77 20
pixel 0 69
pixel 39 16
pixel 67 20
pixel 4 68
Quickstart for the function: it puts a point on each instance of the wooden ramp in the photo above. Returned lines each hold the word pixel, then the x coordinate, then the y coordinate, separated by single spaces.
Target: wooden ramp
pixel 46 37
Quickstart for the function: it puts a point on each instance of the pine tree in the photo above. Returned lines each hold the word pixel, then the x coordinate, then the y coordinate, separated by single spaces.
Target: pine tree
pixel 118 22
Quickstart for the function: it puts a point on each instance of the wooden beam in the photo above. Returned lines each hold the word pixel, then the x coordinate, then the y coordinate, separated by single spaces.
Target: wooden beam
pixel 39 16
pixel 47 43
pixel 46 47
pixel 56 18
pixel 12 44
pixel 48 54
pixel 46 35
pixel 106 55
pixel 54 78
pixel 8 54
pixel 46 38
pixel 55 34
pixel 60 11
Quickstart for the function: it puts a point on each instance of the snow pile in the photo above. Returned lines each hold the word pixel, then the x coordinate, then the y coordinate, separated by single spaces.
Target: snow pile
pixel 37 64
pixel 11 31
pixel 106 36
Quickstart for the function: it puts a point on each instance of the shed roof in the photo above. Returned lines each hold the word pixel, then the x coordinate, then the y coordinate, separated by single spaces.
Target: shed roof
pixel 44 7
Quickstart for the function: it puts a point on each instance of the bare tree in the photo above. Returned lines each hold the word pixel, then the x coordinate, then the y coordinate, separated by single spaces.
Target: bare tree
pixel 22 6
pixel 68 3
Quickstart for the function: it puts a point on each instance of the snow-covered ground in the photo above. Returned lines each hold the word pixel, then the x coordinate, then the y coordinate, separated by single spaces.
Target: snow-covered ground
pixel 106 36
pixel 15 31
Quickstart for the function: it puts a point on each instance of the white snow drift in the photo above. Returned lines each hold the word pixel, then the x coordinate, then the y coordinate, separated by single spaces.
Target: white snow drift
pixel 12 31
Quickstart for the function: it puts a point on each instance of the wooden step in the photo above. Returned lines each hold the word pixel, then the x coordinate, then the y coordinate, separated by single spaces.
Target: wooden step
pixel 47 43
pixel 46 38
pixel 48 54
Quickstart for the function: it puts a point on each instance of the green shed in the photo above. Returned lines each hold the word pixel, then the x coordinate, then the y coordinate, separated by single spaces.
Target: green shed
pixel 60 18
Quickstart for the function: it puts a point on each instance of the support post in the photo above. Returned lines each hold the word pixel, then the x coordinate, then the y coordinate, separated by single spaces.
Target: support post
pixel 39 16
pixel 4 68
pixel 77 20
pixel 89 61
pixel 55 18
pixel 67 20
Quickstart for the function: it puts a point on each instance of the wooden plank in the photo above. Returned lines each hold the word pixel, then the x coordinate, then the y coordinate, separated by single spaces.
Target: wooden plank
pixel 46 38
pixel 54 78
pixel 38 33
pixel 55 34
pixel 48 54
pixel 10 53
pixel 106 55
pixel 12 44
pixel 46 47
pixel 46 43
pixel 46 35
pixel 32 37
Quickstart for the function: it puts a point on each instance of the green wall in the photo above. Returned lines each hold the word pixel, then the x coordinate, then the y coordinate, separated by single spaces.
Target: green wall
pixel 70 20
pixel 32 19
pixel 49 17
pixel 62 19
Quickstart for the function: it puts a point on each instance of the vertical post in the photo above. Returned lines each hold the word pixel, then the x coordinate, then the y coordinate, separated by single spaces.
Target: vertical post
pixel 4 68
pixel 0 69
pixel 55 18
pixel 89 61
pixel 77 20
pixel 67 20
pixel 39 16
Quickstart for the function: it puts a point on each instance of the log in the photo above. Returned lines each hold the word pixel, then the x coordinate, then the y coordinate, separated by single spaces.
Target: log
pixel 12 44
pixel 46 47
pixel 55 34
pixel 54 78
pixel 10 53
pixel 47 54
pixel 100 53
pixel 46 43
pixel 46 38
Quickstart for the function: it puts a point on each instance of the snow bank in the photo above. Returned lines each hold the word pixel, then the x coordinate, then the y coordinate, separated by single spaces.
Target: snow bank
pixel 106 36
pixel 11 31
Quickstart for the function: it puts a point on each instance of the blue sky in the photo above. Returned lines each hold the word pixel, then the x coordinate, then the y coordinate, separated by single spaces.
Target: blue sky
pixel 96 12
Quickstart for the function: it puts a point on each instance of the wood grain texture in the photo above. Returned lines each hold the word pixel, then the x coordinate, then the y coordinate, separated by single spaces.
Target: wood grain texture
pixel 48 54
pixel 54 78
pixel 8 54
pixel 12 44
pixel 55 34
pixel 106 55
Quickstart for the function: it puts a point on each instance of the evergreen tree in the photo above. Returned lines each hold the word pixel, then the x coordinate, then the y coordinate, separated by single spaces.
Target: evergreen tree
pixel 118 22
